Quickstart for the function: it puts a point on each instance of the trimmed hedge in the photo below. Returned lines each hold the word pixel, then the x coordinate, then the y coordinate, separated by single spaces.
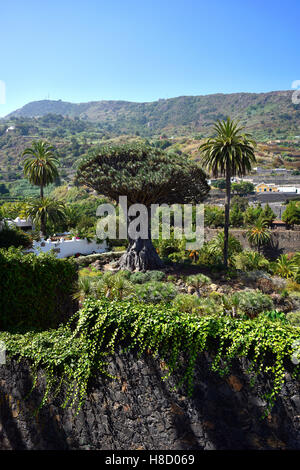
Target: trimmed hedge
pixel 35 291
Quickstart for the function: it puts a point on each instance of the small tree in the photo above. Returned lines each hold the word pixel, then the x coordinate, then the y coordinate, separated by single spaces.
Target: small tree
pixel 243 188
pixel 291 215
pixel 267 215
pixel 146 175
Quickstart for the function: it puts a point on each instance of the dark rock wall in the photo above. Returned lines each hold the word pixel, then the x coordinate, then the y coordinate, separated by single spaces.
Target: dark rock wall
pixel 139 411
pixel 282 242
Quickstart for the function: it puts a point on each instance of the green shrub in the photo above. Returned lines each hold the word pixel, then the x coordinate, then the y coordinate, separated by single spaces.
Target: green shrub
pixel 180 257
pixel 294 318
pixel 139 278
pixel 125 273
pixel 36 291
pixel 90 272
pixel 250 261
pixel 186 303
pixel 114 287
pixel 155 275
pixel 252 302
pixel 275 315
pixel 155 292
pixel 10 236
pixel 197 281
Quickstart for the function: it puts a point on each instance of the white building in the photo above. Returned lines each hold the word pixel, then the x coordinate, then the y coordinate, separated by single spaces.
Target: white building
pixel 24 224
pixel 288 189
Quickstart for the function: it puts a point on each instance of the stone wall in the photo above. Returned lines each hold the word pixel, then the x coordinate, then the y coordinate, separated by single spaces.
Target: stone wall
pixel 139 411
pixel 283 241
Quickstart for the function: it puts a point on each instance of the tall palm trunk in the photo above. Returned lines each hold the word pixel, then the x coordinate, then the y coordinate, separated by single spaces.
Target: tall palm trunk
pixel 227 211
pixel 43 221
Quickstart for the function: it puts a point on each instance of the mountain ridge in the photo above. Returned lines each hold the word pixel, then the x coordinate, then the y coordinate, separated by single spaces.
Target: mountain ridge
pixel 269 113
pixel 22 110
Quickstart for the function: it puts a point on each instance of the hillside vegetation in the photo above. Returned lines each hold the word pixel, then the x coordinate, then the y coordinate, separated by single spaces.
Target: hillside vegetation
pixel 174 124
pixel 265 114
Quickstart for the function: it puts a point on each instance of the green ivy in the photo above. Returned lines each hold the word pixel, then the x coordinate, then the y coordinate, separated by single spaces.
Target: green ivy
pixel 73 354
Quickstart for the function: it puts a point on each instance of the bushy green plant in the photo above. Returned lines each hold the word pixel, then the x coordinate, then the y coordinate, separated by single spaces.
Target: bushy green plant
pixel 216 246
pixel 291 214
pixel 156 275
pixel 252 302
pixel 125 273
pixel 197 281
pixel 250 261
pixel 186 303
pixel 139 277
pixel 294 318
pixel 274 315
pixel 85 288
pixel 285 267
pixel 210 258
pixel 11 236
pixel 180 257
pixel 114 287
pixel 155 292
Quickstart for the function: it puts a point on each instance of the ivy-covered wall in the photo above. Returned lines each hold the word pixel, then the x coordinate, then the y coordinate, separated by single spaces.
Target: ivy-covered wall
pixel 139 411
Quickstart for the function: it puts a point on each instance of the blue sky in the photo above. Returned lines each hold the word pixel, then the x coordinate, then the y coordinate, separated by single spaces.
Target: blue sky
pixel 145 50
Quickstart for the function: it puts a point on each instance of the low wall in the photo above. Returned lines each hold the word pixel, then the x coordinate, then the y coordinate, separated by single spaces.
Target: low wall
pixel 283 241
pixel 64 248
pixel 139 411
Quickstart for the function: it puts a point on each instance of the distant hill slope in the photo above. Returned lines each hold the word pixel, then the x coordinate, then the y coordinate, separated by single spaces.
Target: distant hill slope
pixel 264 114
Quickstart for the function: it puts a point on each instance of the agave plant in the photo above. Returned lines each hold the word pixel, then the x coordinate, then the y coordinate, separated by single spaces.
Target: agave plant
pixel 114 286
pixel 85 288
pixel 285 267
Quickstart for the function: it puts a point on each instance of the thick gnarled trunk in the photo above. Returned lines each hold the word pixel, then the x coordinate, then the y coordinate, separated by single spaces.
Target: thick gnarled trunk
pixel 140 256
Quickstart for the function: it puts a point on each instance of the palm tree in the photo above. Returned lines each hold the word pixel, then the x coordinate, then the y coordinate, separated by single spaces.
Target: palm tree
pixel 230 153
pixel 40 166
pixel 259 234
pixel 46 210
